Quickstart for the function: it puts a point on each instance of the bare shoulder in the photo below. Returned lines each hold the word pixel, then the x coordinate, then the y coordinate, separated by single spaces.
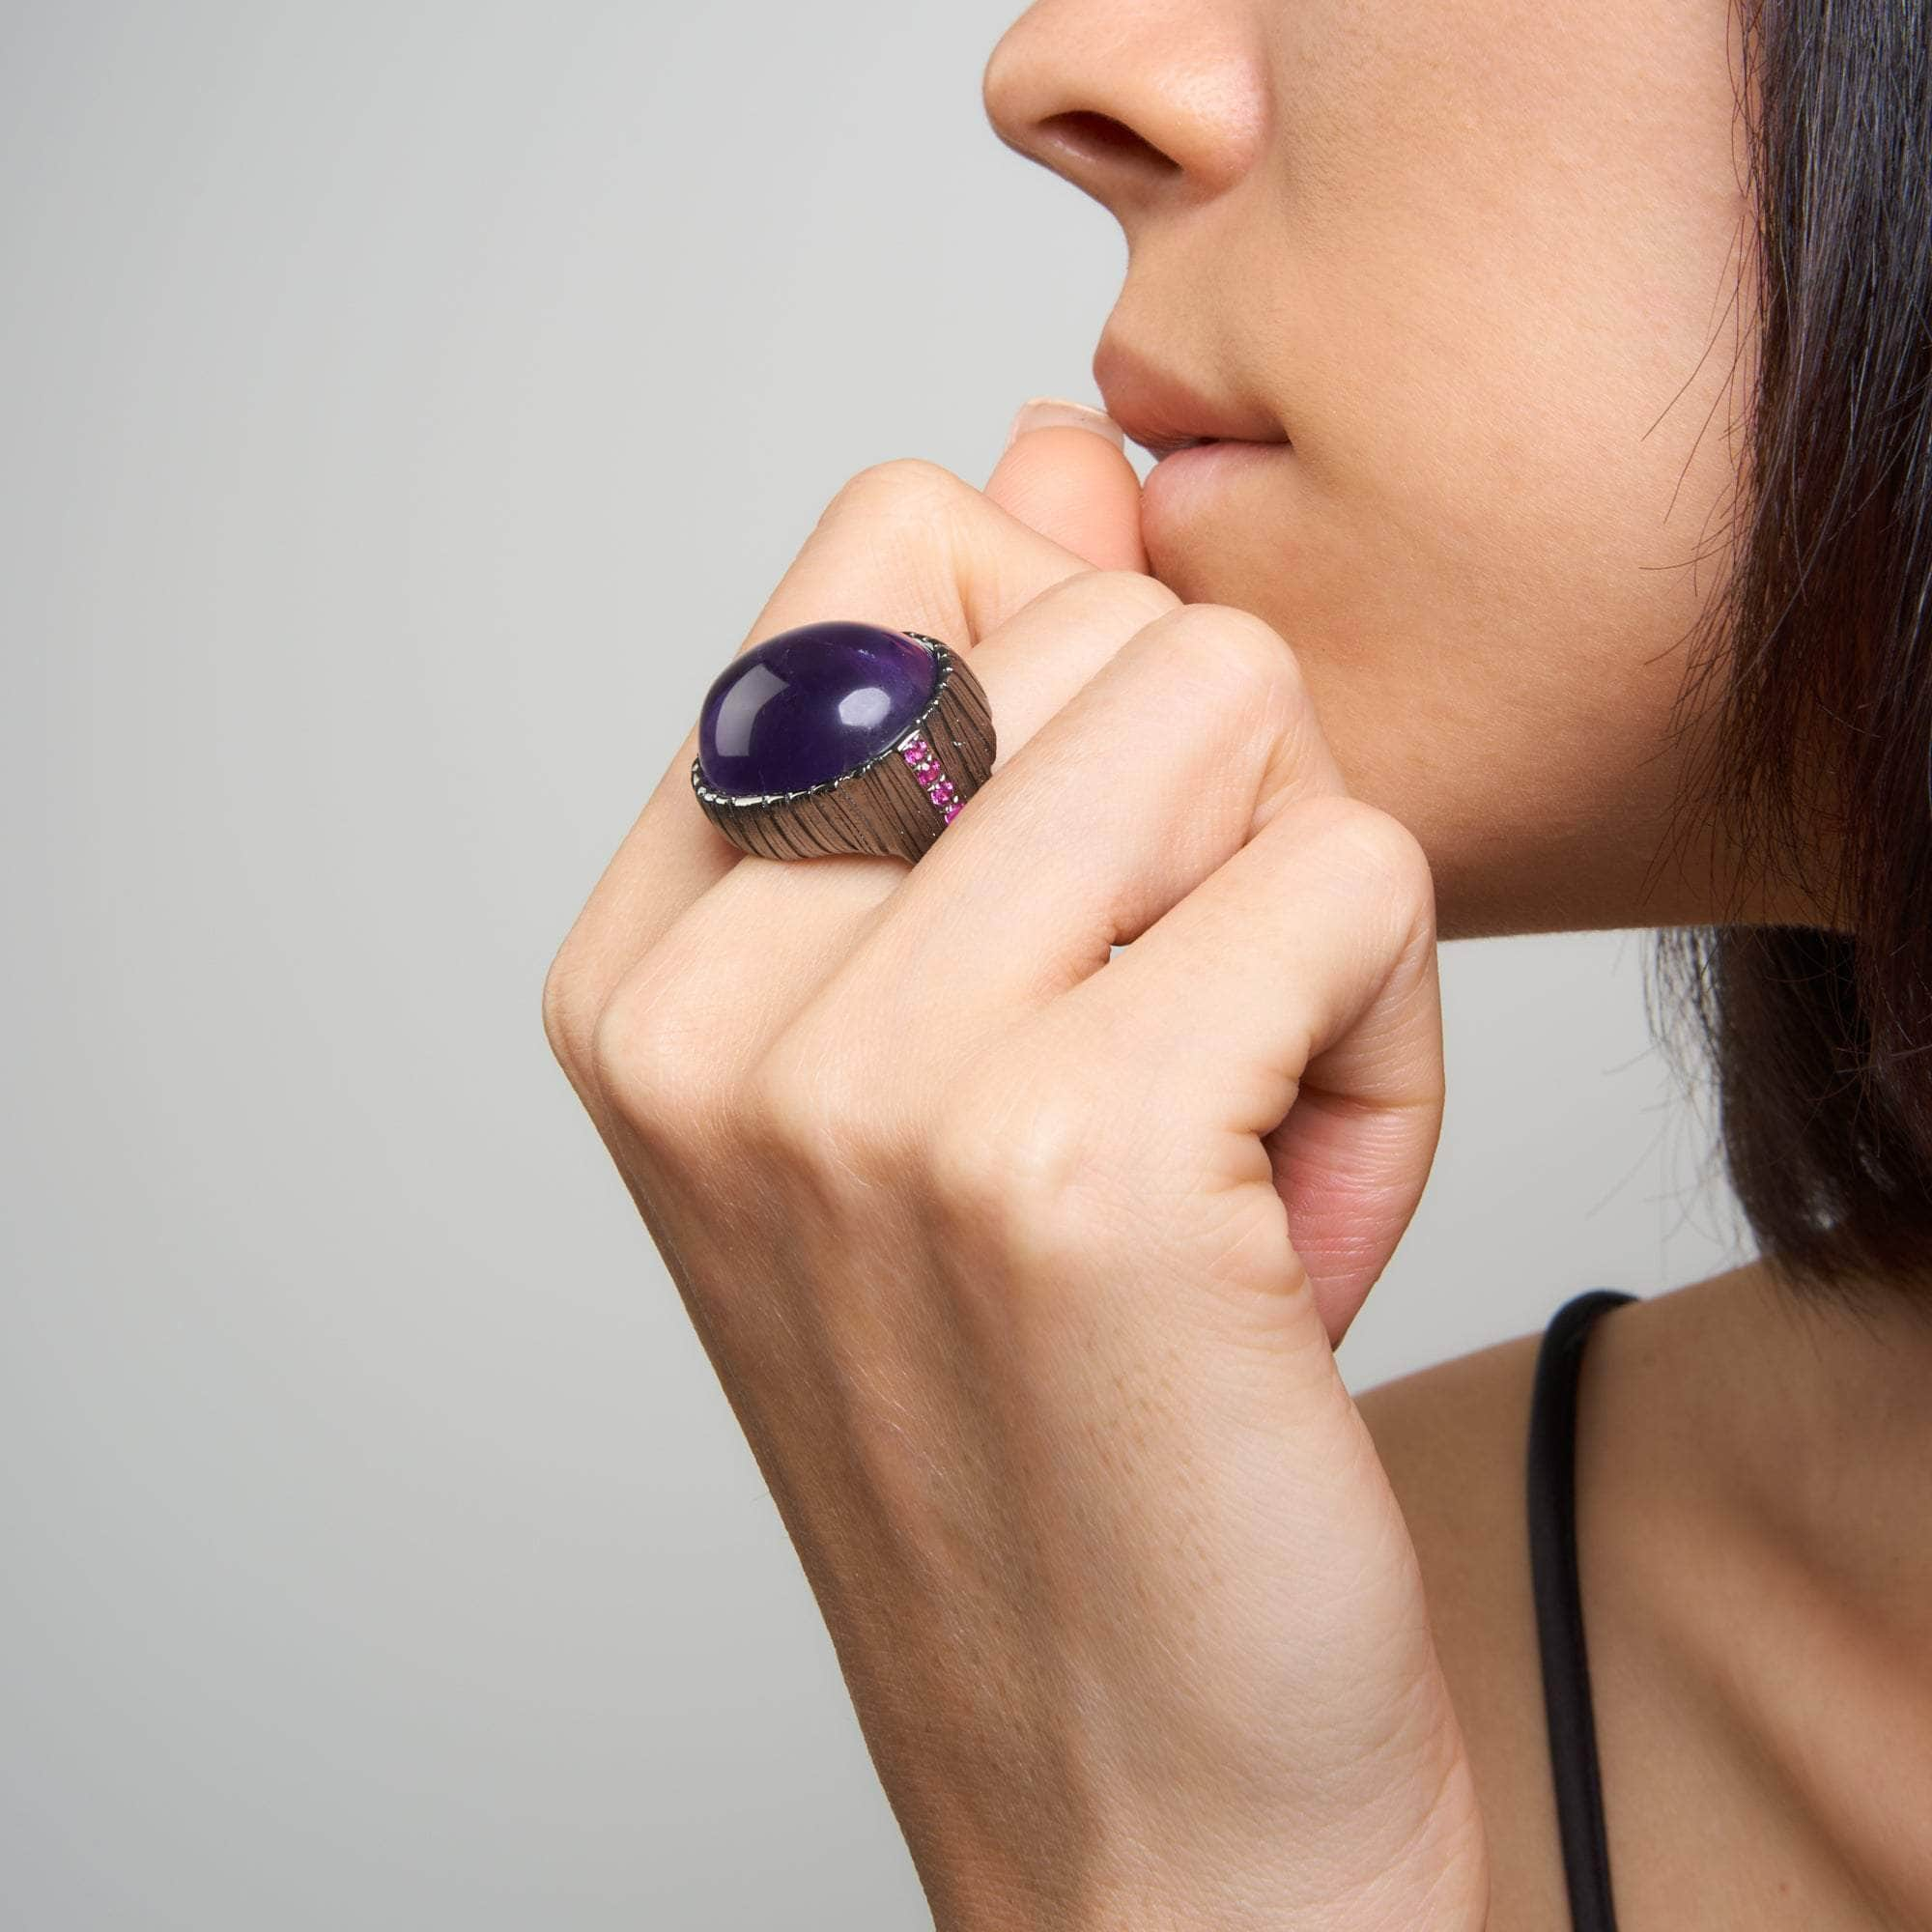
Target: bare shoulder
pixel 1724 1797
pixel 1453 1440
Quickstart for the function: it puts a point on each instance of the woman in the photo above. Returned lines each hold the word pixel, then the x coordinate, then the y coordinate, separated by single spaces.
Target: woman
pixel 1560 558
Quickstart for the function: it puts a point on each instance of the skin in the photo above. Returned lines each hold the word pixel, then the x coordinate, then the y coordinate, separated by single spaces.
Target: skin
pixel 1146 1622
pixel 1041 1384
pixel 1490 269
pixel 1479 263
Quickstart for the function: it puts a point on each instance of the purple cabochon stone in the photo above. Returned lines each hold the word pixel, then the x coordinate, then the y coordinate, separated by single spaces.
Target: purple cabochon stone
pixel 807 707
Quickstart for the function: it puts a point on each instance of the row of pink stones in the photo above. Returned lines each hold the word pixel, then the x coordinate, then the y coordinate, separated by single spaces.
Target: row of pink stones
pixel 933 780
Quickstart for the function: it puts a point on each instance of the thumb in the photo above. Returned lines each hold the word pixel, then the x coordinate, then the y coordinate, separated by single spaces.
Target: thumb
pixel 1066 474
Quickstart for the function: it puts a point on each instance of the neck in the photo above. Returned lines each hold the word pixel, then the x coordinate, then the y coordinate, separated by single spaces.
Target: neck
pixel 1833 1414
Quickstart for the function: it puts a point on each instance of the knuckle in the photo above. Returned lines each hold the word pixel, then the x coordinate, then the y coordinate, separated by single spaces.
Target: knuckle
pixel 570 1012
pixel 1385 842
pixel 959 1168
pixel 1016 1157
pixel 902 486
pixel 1141 599
pixel 812 1103
pixel 1372 848
pixel 1234 651
pixel 644 1065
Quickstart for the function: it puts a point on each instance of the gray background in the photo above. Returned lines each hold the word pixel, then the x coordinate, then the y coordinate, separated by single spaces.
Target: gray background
pixel 403 413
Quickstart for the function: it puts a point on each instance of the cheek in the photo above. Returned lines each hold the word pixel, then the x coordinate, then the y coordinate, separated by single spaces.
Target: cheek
pixel 1492 275
pixel 1494 637
pixel 1505 348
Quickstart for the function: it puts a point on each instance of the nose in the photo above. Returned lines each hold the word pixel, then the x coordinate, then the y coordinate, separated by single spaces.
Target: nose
pixel 1136 103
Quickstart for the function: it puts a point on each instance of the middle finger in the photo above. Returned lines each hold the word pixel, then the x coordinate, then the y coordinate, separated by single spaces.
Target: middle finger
pixel 1194 733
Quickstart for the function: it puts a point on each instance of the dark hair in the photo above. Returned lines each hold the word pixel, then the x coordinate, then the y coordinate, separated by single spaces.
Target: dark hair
pixel 1820 1036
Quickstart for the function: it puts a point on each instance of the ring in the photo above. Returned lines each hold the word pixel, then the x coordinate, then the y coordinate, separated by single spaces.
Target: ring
pixel 842 737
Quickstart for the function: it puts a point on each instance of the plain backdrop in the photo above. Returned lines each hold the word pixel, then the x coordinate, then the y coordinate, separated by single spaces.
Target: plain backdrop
pixel 404 411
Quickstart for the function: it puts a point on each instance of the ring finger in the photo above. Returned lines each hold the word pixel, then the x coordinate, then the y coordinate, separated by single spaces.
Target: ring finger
pixel 904 544
pixel 742 960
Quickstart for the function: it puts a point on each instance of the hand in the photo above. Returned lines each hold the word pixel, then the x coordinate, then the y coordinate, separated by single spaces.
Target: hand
pixel 1023 1269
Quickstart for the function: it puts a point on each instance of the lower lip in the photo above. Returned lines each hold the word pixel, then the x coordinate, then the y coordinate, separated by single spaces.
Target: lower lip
pixel 1180 483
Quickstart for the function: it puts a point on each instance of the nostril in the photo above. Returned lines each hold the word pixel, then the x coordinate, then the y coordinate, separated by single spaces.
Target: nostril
pixel 1099 139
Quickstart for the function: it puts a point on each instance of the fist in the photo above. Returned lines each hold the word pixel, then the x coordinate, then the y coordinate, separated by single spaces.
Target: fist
pixel 1022 1259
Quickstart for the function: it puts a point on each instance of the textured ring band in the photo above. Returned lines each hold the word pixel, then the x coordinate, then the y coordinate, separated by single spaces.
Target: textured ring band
pixel 842 737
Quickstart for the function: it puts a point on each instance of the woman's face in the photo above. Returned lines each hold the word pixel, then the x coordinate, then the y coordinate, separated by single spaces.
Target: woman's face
pixel 1465 280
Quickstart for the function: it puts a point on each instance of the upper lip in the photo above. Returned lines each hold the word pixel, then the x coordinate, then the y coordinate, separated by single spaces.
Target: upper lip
pixel 1162 411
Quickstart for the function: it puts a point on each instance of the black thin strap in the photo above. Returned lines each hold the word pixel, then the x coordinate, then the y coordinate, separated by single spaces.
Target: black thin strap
pixel 1559 1608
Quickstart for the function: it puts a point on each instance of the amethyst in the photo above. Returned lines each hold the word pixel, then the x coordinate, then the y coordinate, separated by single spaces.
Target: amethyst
pixel 809 705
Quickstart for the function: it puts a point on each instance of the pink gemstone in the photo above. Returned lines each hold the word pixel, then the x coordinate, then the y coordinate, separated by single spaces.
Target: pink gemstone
pixel 916 751
pixel 941 792
pixel 951 813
